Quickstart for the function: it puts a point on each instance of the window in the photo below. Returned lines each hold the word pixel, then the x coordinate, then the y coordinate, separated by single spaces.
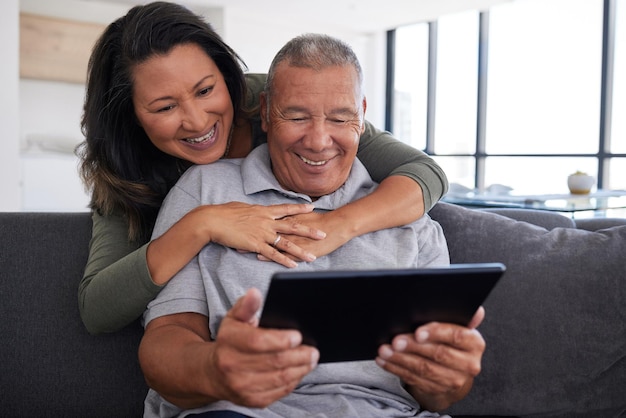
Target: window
pixel 411 87
pixel 516 93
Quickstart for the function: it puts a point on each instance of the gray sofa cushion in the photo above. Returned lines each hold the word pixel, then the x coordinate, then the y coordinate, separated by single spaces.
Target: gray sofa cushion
pixel 548 220
pixel 51 366
pixel 556 323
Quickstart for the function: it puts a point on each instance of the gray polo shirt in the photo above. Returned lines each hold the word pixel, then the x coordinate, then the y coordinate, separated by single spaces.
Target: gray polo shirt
pixel 212 282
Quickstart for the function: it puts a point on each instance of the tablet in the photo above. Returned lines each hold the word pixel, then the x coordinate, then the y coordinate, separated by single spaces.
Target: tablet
pixel 347 315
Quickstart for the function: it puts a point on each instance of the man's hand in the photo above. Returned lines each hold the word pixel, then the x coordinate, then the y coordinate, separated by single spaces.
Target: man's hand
pixel 246 365
pixel 254 366
pixel 438 362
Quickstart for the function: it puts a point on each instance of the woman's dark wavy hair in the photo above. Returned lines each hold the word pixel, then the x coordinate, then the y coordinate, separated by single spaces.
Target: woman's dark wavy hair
pixel 119 165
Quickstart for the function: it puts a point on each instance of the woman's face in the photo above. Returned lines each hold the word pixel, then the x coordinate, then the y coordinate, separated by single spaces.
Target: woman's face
pixel 182 102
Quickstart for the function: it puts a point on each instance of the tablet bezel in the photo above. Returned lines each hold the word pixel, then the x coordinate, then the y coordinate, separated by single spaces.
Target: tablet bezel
pixel 348 314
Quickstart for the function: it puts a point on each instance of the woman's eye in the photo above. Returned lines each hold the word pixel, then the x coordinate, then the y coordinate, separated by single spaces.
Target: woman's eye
pixel 205 91
pixel 165 108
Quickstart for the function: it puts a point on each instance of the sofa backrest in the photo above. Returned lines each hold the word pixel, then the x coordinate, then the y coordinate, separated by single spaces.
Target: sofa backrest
pixel 50 365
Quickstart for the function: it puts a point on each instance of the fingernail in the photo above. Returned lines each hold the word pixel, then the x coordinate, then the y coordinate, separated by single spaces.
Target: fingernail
pixel 422 336
pixel 315 356
pixel 310 257
pixel 321 234
pixel 295 339
pixel 385 352
pixel 380 361
pixel 400 344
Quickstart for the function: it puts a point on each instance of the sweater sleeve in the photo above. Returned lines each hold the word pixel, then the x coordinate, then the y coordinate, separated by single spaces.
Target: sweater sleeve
pixel 385 156
pixel 116 286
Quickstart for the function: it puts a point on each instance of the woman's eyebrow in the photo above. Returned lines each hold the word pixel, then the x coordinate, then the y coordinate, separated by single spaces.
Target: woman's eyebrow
pixel 195 86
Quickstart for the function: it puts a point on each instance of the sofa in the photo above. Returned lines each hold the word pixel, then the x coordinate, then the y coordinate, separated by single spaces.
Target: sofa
pixel 555 325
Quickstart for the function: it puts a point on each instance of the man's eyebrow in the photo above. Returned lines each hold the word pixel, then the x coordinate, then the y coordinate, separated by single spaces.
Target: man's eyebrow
pixel 338 111
pixel 294 109
pixel 195 86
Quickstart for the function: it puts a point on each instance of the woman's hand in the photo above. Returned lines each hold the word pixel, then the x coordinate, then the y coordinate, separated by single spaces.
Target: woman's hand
pixel 274 232
pixel 397 201
pixel 338 232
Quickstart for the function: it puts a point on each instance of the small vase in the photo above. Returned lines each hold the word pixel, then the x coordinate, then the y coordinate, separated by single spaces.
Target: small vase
pixel 580 183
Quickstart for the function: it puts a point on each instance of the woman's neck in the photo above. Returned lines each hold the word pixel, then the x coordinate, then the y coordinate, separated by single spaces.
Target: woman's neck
pixel 241 140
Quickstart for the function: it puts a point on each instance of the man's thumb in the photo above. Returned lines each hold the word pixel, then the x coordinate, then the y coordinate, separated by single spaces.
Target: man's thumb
pixel 247 306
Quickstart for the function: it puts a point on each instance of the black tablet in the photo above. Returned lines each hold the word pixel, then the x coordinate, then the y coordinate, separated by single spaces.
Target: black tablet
pixel 347 315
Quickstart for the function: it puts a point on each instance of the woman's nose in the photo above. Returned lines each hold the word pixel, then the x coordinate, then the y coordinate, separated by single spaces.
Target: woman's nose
pixel 193 117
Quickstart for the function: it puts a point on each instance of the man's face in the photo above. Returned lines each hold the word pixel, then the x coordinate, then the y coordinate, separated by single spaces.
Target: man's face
pixel 315 121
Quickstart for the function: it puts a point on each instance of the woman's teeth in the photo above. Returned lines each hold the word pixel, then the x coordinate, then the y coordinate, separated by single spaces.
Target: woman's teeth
pixel 202 138
pixel 311 162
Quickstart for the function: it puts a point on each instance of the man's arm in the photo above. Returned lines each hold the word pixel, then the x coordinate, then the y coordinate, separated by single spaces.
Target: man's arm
pixel 246 365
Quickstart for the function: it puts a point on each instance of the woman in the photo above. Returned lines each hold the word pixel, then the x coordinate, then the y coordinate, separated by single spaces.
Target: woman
pixel 146 123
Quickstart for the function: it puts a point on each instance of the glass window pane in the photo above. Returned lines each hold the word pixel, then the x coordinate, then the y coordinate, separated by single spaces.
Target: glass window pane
pixel 457 81
pixel 544 76
pixel 411 84
pixel 618 131
pixel 536 175
pixel 459 170
pixel 617 174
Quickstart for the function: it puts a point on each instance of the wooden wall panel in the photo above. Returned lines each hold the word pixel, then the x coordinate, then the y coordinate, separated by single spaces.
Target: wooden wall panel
pixel 56 49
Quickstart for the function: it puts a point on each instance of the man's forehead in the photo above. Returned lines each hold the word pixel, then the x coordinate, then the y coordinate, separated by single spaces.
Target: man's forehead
pixel 294 86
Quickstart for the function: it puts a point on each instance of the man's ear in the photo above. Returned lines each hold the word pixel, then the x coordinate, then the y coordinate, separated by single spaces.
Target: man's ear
pixel 364 109
pixel 263 110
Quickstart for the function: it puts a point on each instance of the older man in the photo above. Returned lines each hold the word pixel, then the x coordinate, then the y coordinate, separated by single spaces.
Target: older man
pixel 203 352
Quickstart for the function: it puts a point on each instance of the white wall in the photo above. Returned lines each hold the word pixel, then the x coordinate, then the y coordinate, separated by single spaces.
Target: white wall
pixel 9 127
pixel 49 116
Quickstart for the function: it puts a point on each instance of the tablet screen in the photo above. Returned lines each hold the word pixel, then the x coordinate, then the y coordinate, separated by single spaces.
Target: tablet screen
pixel 347 315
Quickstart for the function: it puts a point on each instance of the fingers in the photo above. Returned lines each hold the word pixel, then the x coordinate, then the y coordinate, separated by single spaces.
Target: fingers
pixel 291 225
pixel 444 355
pixel 283 251
pixel 247 306
pixel 236 331
pixel 477 319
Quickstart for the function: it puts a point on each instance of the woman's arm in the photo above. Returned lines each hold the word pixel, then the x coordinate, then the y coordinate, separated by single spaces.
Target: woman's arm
pixel 116 286
pixel 122 277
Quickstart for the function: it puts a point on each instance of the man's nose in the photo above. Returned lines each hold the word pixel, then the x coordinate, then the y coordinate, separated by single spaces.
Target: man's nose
pixel 193 117
pixel 318 136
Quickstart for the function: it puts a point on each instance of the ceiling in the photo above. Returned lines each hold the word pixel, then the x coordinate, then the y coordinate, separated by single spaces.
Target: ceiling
pixel 355 15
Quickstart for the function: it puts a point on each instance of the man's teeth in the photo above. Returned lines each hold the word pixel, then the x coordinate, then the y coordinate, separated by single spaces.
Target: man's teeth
pixel 202 138
pixel 311 162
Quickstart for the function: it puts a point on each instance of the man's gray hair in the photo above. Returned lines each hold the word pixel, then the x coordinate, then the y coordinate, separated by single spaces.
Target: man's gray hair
pixel 317 52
